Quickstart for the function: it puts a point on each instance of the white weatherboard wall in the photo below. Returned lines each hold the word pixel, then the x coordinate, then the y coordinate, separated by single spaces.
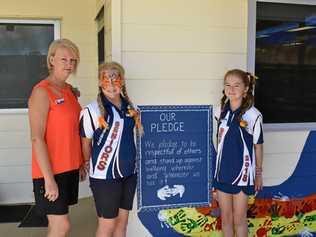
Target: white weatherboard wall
pixel 176 51
pixel 77 23
pixel 15 158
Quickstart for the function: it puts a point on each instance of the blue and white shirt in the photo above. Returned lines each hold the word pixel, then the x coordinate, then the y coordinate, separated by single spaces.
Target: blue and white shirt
pixel 113 151
pixel 235 161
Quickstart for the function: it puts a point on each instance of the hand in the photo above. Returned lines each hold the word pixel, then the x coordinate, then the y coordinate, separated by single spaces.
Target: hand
pixel 214 194
pixel 51 190
pixel 258 183
pixel 214 202
pixel 84 170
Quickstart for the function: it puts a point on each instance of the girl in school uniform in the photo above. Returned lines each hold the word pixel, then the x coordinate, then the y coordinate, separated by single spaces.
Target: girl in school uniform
pixel 107 131
pixel 238 171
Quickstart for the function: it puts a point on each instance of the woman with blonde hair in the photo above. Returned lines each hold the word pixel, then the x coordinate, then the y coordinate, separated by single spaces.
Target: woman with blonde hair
pixel 56 149
pixel 107 131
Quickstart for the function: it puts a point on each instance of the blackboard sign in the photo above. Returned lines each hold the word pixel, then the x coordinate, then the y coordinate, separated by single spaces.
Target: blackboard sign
pixel 174 157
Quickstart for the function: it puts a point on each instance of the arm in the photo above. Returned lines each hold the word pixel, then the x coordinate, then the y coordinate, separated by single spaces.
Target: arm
pixel 258 173
pixel 86 151
pixel 38 111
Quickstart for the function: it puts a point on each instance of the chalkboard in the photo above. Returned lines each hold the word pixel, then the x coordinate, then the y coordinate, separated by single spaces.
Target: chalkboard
pixel 174 157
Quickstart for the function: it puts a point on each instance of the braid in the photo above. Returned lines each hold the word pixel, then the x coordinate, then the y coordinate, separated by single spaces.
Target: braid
pixel 100 104
pixel 223 102
pixel 139 127
pixel 104 113
pixel 126 97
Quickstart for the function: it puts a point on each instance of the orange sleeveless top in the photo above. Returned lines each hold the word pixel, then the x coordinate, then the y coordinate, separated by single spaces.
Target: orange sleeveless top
pixel 62 132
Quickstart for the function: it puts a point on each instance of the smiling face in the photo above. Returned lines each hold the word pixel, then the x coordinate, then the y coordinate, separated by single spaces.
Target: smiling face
pixel 111 83
pixel 234 88
pixel 63 63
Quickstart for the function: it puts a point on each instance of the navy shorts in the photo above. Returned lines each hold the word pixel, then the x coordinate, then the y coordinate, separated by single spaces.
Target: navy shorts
pixel 68 186
pixel 234 189
pixel 112 194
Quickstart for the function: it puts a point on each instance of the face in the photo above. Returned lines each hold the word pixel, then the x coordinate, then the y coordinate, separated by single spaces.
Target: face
pixel 64 63
pixel 111 83
pixel 234 88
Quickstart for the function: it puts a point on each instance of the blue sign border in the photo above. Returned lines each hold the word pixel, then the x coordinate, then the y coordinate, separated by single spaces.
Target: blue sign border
pixel 210 153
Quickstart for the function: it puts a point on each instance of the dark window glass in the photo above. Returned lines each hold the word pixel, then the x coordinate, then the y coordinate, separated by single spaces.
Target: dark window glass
pixel 286 62
pixel 101 45
pixel 23 52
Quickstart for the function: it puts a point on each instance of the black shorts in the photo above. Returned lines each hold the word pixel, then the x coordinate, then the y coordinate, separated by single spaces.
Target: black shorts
pixel 112 194
pixel 68 186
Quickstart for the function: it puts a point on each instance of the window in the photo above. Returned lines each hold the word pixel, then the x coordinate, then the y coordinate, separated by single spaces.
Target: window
pixel 23 52
pixel 100 29
pixel 285 61
pixel 101 46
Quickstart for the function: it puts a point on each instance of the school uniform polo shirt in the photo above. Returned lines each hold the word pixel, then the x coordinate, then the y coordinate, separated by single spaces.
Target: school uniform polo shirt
pixel 113 152
pixel 235 162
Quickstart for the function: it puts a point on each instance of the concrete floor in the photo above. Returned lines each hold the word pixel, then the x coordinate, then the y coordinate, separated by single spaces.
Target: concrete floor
pixel 83 221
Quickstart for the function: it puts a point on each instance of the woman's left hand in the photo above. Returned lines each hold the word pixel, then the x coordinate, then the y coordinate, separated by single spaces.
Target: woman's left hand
pixel 258 183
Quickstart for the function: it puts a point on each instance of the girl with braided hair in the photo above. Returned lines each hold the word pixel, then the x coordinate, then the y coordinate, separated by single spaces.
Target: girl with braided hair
pixel 238 171
pixel 107 129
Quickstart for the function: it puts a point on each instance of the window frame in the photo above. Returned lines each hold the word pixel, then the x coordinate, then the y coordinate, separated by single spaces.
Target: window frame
pixel 99 19
pixel 251 45
pixel 56 24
